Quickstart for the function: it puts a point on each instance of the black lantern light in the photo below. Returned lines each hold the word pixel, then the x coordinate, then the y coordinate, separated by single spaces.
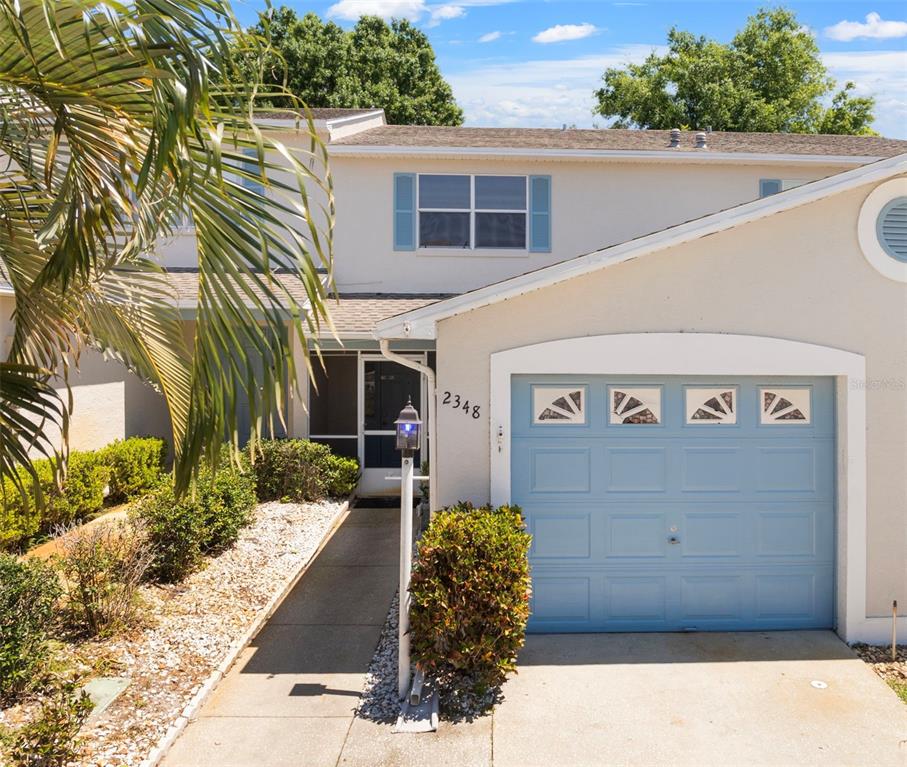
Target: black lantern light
pixel 409 427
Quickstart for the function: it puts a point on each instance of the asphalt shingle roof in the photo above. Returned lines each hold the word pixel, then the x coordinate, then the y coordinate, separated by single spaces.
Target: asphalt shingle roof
pixel 626 140
pixel 352 313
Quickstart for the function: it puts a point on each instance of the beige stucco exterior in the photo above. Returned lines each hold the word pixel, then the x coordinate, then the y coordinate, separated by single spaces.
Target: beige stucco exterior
pixel 594 204
pixel 798 275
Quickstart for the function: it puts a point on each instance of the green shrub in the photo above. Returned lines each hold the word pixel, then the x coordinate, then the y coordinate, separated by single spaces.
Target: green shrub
pixel 175 531
pixel 29 590
pixel 82 494
pixel 135 467
pixel 470 598
pixel 103 565
pixel 300 470
pixel 226 500
pixel 51 740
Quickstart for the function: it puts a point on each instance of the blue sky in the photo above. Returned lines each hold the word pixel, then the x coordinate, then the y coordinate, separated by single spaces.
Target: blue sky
pixel 537 62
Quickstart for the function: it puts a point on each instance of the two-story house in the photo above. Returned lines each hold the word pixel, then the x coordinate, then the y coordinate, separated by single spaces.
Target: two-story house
pixel 683 354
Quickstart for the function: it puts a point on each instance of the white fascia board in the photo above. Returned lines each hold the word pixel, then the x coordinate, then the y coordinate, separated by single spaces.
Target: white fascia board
pixel 684 156
pixel 421 323
pixel 336 122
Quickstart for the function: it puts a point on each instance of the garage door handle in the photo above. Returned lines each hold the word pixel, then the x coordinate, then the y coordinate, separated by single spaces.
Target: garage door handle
pixel 673 539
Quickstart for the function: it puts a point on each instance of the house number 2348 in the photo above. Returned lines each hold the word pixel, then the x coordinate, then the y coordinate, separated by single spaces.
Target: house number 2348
pixel 458 403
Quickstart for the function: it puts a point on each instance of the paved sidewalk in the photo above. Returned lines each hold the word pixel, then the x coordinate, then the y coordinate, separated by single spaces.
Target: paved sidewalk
pixel 289 698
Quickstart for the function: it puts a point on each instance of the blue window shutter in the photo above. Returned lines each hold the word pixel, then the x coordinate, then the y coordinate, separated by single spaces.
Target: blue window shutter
pixel 769 186
pixel 540 214
pixel 404 211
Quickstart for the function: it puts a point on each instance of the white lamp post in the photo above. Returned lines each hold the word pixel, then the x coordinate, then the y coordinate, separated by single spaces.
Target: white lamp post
pixel 409 429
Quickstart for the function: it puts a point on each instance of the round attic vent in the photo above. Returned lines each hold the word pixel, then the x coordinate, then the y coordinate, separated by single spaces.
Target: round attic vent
pixel 882 229
pixel 891 228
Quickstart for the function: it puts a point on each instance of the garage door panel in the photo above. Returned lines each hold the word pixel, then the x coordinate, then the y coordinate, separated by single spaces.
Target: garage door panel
pixel 561 535
pixel 562 600
pixel 679 525
pixel 712 534
pixel 712 469
pixel 636 469
pixel 636 534
pixel 633 598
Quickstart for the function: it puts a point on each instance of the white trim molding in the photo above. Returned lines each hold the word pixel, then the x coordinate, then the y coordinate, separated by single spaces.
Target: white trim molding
pixel 868 234
pixel 422 323
pixel 619 155
pixel 709 354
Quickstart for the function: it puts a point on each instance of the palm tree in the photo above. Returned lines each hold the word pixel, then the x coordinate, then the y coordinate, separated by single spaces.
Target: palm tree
pixel 117 120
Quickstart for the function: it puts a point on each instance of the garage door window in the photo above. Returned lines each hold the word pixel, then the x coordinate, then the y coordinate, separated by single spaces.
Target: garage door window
pixel 785 406
pixel 711 406
pixel 635 406
pixel 559 404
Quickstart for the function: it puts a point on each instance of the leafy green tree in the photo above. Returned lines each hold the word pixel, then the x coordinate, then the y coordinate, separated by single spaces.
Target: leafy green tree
pixel 111 134
pixel 770 78
pixel 375 64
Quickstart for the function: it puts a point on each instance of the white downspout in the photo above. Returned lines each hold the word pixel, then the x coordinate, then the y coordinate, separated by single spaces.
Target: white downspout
pixel 384 345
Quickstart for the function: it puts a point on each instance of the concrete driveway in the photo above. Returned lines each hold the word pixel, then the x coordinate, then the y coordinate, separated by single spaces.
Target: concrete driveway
pixel 668 699
pixel 697 699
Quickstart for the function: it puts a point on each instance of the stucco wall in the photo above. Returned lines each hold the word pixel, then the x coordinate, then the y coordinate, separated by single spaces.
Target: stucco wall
pixel 594 204
pixel 799 275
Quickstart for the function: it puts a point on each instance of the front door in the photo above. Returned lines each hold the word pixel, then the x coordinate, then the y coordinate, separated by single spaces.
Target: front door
pixel 386 387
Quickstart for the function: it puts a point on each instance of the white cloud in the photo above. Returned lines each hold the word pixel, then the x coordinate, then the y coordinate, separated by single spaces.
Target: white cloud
pixel 441 13
pixel 882 74
pixel 414 10
pixel 562 32
pixel 540 94
pixel 874 28
pixel 351 10
pixel 490 37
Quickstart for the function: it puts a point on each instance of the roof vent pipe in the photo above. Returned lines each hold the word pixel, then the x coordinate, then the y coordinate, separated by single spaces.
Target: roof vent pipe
pixel 675 138
pixel 700 141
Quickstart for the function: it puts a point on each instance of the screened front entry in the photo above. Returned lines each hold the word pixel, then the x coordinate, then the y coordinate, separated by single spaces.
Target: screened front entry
pixel 353 403
pixel 665 504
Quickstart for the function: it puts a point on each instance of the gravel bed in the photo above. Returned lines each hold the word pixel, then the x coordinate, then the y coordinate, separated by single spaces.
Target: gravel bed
pixel 893 672
pixel 379 702
pixel 190 629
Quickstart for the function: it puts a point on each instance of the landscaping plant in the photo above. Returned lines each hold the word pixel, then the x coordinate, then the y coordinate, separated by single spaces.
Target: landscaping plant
pixel 300 470
pixel 51 740
pixel 29 589
pixel 103 566
pixel 175 531
pixel 82 493
pixel 225 499
pixel 135 467
pixel 470 599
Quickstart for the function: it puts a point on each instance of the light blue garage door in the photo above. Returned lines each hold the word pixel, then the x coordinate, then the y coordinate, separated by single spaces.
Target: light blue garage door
pixel 667 504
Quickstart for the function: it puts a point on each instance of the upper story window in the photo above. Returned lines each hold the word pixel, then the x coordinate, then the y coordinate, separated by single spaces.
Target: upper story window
pixel 457 211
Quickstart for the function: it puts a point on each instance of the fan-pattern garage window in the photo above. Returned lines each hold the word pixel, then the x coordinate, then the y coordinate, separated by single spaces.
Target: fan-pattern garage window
pixel 635 405
pixel 711 405
pixel 785 405
pixel 559 404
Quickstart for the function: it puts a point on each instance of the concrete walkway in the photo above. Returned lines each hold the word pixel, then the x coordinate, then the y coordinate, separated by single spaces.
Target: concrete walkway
pixel 578 700
pixel 289 699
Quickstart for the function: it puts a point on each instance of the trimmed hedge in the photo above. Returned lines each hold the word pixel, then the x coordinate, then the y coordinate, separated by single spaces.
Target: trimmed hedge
pixel 300 470
pixel 136 465
pixel 470 598
pixel 129 468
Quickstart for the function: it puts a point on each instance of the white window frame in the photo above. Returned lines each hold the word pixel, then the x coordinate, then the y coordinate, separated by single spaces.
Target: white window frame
pixel 471 211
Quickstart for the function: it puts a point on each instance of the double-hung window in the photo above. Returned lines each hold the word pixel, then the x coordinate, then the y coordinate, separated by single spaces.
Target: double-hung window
pixel 464 211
